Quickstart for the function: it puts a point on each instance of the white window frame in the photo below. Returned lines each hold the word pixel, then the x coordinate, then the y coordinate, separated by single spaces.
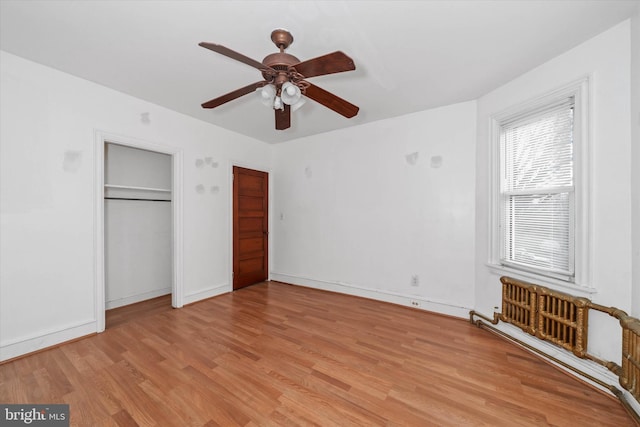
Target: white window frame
pixel 580 280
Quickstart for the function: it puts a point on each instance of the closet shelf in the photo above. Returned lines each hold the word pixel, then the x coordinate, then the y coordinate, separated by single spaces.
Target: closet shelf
pixel 130 187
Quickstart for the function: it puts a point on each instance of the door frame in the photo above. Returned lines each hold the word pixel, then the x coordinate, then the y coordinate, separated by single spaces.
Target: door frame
pixel 258 168
pixel 177 287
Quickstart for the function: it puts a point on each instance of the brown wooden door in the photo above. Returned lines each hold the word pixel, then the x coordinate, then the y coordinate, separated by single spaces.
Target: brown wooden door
pixel 250 227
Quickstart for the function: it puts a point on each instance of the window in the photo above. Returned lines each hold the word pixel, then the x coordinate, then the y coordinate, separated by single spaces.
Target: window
pixel 540 210
pixel 537 190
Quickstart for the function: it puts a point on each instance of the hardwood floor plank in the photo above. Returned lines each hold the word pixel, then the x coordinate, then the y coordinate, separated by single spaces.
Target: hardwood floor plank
pixel 281 355
pixel 123 419
pixel 118 316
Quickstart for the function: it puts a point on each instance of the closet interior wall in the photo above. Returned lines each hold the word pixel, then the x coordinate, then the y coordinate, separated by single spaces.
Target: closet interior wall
pixel 137 222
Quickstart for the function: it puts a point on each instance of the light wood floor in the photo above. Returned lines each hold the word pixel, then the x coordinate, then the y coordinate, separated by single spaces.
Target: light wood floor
pixel 275 354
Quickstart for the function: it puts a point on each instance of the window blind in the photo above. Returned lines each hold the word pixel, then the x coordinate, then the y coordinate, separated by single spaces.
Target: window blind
pixel 537 190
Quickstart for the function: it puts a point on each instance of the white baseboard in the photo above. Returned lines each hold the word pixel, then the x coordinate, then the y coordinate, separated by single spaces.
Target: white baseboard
pixel 441 307
pixel 207 293
pixel 137 298
pixel 22 346
pixel 635 405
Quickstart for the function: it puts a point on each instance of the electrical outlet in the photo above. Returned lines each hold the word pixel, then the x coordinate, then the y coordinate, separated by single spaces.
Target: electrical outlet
pixel 415 280
pixel 415 303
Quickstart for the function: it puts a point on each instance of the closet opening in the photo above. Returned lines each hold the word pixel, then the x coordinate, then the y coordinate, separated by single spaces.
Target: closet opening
pixel 138 232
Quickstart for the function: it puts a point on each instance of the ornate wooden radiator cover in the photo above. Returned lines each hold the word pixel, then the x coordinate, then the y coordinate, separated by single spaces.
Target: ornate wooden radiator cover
pixel 563 319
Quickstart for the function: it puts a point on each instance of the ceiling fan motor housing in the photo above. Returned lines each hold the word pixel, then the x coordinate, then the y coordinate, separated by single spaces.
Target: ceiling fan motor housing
pixel 280 62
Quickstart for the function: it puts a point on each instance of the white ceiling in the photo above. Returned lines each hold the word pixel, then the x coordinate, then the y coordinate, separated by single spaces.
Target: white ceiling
pixel 409 55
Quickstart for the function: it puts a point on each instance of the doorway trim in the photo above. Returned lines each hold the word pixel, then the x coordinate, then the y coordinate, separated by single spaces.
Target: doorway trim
pixel 248 165
pixel 177 287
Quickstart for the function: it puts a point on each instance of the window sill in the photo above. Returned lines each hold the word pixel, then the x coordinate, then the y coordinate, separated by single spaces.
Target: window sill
pixel 559 285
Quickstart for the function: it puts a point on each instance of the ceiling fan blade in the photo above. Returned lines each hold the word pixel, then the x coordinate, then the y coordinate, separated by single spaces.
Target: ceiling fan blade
pixel 216 102
pixel 331 101
pixel 336 62
pixel 233 55
pixel 283 118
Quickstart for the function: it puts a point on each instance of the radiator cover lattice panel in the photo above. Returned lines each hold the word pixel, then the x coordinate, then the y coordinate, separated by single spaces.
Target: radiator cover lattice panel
pixel 549 315
pixel 630 378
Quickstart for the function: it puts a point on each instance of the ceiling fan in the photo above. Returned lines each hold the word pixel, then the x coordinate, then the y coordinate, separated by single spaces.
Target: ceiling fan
pixel 285 81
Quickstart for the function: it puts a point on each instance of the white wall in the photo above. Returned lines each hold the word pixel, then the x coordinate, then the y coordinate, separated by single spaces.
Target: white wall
pixel 138 256
pixel 47 228
pixel 134 167
pixel 635 158
pixel 606 58
pixel 351 214
pixel 138 260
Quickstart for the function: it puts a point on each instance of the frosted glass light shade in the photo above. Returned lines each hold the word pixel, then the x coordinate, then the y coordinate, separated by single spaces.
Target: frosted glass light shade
pixel 268 95
pixel 290 93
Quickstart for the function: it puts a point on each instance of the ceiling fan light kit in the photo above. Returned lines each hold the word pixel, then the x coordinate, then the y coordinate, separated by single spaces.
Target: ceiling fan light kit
pixel 267 94
pixel 284 83
pixel 291 93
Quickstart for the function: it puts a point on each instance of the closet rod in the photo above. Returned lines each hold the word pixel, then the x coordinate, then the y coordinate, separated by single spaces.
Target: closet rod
pixel 142 200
